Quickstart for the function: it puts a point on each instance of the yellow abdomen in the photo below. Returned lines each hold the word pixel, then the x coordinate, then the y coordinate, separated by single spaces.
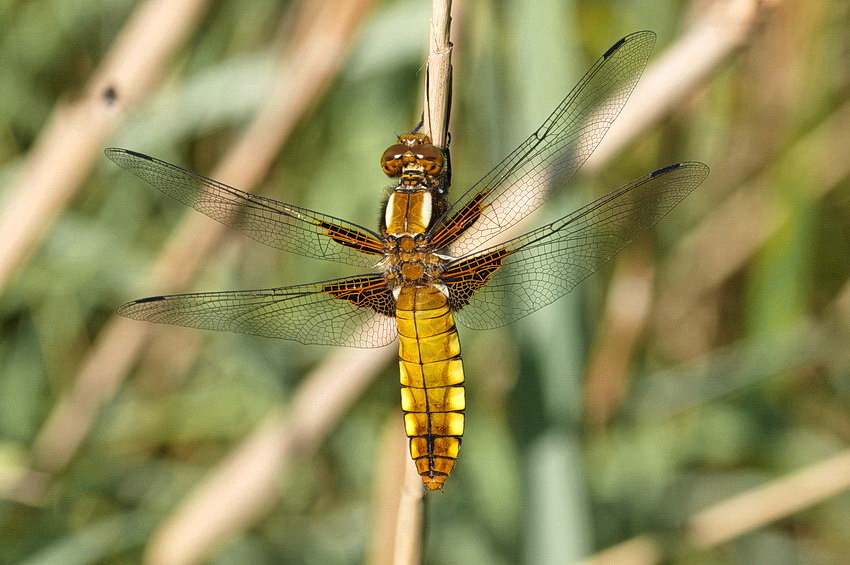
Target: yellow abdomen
pixel 432 395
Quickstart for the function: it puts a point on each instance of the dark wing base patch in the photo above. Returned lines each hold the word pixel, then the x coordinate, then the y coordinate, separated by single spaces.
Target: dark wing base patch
pixel 369 292
pixel 464 277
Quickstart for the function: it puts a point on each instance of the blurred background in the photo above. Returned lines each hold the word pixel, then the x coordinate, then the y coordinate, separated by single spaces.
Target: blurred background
pixel 688 404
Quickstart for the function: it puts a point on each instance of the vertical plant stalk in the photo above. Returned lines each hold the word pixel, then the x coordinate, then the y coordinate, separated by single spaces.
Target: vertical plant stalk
pixel 438 74
pixel 409 527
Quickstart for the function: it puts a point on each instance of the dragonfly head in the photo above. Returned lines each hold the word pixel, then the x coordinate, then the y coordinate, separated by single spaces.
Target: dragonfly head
pixel 413 151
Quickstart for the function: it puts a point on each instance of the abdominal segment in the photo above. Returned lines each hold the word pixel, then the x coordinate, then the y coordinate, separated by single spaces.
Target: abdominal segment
pixel 432 395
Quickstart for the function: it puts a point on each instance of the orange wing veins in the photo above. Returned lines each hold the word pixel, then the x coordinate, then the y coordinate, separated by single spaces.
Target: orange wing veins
pixel 370 292
pixel 464 277
pixel 459 222
pixel 352 238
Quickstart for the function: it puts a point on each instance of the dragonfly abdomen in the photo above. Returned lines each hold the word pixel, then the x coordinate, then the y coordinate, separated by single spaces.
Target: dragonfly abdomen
pixel 432 395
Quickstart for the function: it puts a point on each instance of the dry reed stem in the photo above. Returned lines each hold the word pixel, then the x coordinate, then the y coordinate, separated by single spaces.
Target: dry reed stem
pixel 73 139
pixel 246 484
pixel 406 529
pixel 640 550
pixel 682 69
pixel 685 66
pixel 623 322
pixel 777 499
pixel 398 502
pixel 728 239
pixel 743 513
pixel 410 527
pixel 311 65
pixel 398 524
pixel 390 473
pixel 438 74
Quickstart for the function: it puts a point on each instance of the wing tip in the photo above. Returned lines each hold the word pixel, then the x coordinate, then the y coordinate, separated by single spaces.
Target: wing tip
pixel 663 170
pixel 693 165
pixel 115 154
pixel 129 309
pixel 647 35
pixel 611 50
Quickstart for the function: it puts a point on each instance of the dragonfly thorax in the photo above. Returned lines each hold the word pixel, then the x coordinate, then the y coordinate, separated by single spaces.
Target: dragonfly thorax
pixel 410 259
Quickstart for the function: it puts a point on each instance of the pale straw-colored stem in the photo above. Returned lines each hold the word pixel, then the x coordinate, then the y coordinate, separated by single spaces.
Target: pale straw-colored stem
pixel 438 74
pixel 73 139
pixel 407 528
pixel 310 63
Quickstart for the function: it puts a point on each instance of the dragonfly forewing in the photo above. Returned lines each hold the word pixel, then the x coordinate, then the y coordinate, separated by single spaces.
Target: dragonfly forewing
pixel 551 155
pixel 514 279
pixel 268 221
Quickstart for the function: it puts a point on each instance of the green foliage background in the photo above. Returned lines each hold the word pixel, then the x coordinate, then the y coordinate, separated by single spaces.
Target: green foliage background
pixel 754 387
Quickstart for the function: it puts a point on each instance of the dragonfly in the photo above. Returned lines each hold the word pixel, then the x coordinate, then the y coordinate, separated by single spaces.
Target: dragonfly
pixel 433 262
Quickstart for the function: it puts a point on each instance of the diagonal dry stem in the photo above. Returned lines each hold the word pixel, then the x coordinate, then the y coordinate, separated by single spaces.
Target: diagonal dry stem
pixel 743 513
pixel 758 507
pixel 680 71
pixel 246 483
pixel 728 238
pixel 73 139
pixel 311 63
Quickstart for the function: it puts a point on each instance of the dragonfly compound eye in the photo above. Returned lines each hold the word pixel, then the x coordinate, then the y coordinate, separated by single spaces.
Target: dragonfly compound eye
pixel 431 158
pixel 391 160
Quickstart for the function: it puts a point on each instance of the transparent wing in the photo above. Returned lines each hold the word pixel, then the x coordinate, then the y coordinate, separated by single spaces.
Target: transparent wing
pixel 273 223
pixel 551 155
pixel 354 312
pixel 506 282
